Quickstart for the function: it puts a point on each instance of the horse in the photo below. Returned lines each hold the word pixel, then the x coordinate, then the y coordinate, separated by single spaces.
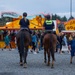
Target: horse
pixel 23 38
pixel 49 43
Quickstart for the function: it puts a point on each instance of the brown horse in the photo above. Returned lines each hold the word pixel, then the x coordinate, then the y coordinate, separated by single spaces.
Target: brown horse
pixel 49 43
pixel 23 41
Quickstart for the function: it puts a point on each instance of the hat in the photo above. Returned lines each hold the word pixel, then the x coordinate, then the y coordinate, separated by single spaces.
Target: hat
pixel 25 14
pixel 48 16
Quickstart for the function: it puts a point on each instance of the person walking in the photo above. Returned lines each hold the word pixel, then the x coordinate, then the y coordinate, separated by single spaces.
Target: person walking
pixel 7 41
pixel 34 42
pixel 72 47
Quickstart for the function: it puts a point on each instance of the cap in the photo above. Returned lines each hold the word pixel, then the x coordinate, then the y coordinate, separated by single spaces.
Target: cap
pixel 25 14
pixel 48 16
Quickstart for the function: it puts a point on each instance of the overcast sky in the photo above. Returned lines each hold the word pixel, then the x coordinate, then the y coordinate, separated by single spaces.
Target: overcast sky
pixel 60 7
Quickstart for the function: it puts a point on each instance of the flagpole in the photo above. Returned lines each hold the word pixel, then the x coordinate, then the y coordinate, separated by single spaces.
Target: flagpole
pixel 70 8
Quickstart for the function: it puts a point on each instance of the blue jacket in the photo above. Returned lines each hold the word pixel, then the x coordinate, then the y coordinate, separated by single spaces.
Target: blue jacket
pixel 7 40
pixel 34 38
pixel 72 43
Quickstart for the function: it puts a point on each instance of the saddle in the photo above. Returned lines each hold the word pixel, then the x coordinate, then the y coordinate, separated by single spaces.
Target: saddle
pixel 48 32
pixel 26 30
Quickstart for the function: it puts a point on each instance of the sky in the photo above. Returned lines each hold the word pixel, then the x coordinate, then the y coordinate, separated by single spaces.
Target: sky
pixel 60 7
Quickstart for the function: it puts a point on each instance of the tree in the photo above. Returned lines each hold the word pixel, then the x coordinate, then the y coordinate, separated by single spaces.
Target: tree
pixel 71 18
pixel 54 17
pixel 64 19
pixel 58 17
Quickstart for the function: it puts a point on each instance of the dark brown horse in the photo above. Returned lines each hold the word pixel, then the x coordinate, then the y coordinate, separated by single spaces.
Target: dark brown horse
pixel 49 43
pixel 23 41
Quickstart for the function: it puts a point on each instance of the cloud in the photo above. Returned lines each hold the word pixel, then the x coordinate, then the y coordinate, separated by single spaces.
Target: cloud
pixel 60 7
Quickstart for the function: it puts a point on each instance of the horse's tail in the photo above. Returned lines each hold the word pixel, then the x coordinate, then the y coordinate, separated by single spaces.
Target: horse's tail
pixel 51 41
pixel 51 47
pixel 22 42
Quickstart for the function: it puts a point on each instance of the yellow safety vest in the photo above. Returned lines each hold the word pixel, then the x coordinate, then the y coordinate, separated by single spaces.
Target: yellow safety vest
pixel 48 22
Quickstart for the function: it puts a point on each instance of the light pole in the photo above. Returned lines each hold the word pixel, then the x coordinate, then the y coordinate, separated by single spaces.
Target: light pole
pixel 70 8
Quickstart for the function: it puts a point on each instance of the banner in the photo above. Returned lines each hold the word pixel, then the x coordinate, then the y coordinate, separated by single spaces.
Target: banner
pixel 70 25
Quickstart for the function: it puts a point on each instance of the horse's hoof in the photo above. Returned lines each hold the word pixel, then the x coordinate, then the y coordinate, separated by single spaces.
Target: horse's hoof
pixel 21 63
pixel 52 67
pixel 48 64
pixel 71 62
pixel 25 65
pixel 44 61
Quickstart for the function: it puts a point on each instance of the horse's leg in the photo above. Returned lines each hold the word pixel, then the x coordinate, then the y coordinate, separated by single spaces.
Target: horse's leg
pixel 71 59
pixel 48 53
pixel 44 55
pixel 53 58
pixel 20 54
pixel 25 57
pixel 21 61
pixel 52 64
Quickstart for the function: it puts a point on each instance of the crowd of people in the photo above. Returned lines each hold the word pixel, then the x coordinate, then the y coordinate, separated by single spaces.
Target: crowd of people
pixel 36 45
pixel 37 39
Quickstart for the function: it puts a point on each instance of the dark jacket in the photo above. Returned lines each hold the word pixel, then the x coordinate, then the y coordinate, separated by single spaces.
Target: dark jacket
pixel 49 25
pixel 23 23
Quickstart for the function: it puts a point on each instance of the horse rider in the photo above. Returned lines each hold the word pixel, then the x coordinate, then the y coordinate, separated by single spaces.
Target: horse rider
pixel 24 23
pixel 48 26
